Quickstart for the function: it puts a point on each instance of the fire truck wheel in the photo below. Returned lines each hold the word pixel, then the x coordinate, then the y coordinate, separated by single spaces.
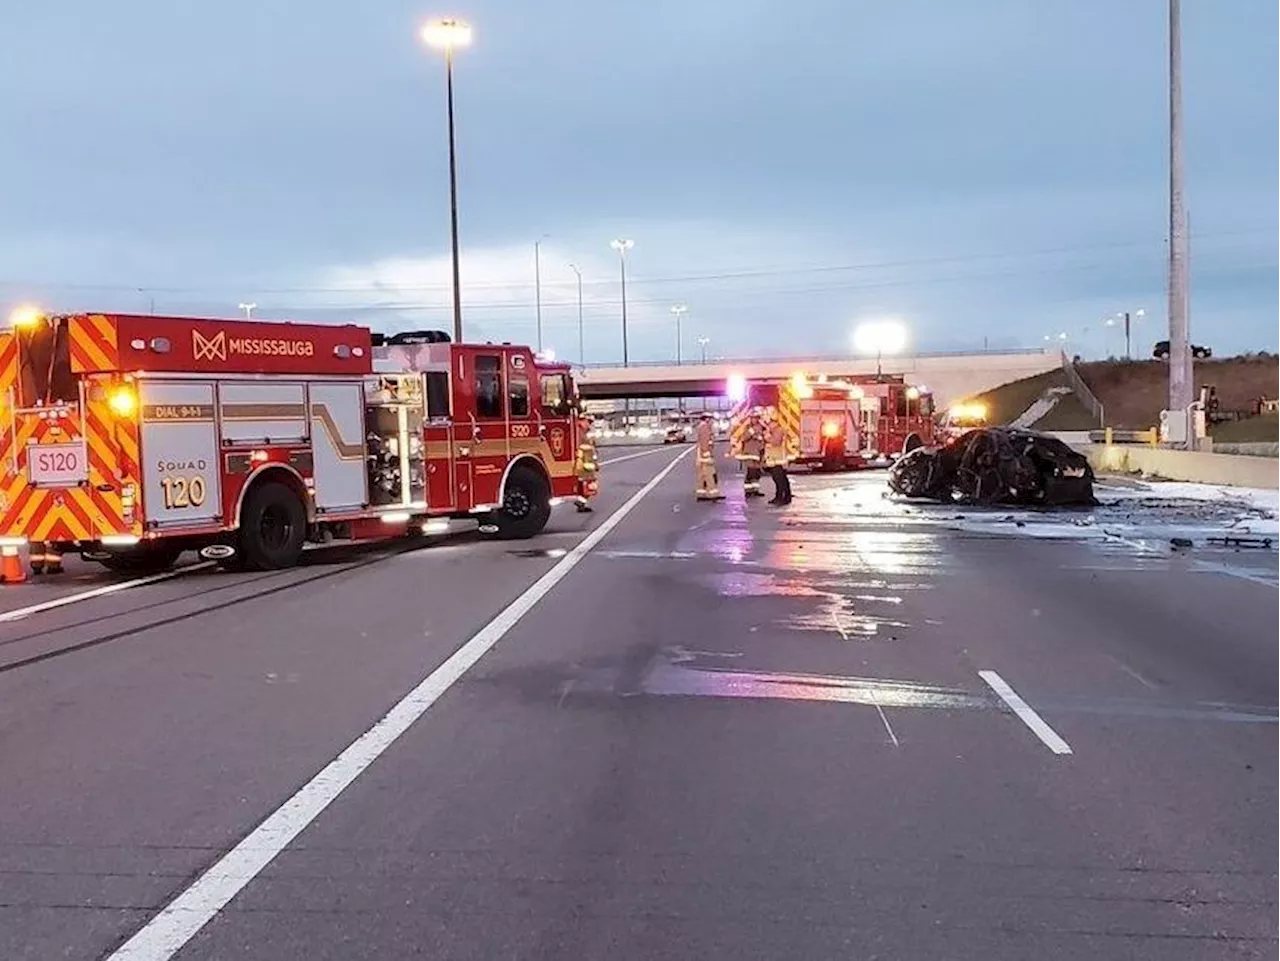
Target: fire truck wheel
pixel 273 527
pixel 526 505
pixel 141 560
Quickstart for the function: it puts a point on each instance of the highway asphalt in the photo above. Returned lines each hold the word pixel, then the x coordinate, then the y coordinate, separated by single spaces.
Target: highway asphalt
pixel 849 729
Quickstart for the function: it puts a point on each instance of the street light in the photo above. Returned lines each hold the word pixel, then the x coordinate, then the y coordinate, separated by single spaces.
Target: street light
pixel 582 354
pixel 702 344
pixel 447 35
pixel 880 338
pixel 622 246
pixel 537 284
pixel 678 310
pixel 1128 317
pixel 248 309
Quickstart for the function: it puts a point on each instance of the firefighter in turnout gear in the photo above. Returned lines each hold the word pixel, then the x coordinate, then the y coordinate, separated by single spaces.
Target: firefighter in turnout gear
pixel 586 466
pixel 45 558
pixel 704 441
pixel 751 454
pixel 775 459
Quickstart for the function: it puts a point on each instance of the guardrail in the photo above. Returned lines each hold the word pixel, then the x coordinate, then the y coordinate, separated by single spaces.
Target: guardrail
pixel 1082 391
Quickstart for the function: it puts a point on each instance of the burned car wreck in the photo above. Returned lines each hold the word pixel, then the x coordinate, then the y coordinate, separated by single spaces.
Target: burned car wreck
pixel 996 465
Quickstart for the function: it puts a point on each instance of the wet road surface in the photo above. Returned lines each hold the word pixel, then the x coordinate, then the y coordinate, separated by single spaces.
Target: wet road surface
pixel 849 729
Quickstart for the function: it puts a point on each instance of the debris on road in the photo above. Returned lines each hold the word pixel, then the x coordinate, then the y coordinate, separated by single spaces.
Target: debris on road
pixel 997 465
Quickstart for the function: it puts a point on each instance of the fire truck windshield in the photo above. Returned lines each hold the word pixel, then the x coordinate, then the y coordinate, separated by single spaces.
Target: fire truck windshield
pixel 44 364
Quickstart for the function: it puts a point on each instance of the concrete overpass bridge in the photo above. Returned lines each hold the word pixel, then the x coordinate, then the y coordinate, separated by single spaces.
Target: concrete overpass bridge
pixel 950 376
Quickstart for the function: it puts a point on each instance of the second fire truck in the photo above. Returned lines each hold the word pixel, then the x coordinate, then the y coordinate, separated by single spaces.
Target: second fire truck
pixel 843 423
pixel 133 438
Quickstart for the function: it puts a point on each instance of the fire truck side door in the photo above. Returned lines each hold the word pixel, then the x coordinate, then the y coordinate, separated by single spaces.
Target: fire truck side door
pixel 486 426
pixel 181 468
pixel 336 412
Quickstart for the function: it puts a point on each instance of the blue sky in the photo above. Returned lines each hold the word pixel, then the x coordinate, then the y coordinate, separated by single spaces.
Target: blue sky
pixel 985 170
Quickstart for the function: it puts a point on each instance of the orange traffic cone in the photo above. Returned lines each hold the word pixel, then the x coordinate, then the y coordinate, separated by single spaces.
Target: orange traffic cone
pixel 11 570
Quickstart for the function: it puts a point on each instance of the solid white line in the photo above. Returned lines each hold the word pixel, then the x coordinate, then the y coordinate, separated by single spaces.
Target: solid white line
pixel 21 612
pixel 166 933
pixel 1028 717
pixel 643 453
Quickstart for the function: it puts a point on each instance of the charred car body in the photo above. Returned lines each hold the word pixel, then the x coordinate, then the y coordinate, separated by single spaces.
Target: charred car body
pixel 997 465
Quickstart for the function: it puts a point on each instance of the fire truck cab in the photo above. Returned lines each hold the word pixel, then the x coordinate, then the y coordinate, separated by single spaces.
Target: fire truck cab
pixel 133 438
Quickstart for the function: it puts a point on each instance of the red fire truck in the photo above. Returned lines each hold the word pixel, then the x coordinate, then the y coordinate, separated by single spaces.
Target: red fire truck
pixel 844 423
pixel 134 438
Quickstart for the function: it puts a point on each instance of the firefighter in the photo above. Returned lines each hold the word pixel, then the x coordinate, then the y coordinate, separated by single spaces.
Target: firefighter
pixel 45 558
pixel 708 483
pixel 775 459
pixel 586 467
pixel 751 453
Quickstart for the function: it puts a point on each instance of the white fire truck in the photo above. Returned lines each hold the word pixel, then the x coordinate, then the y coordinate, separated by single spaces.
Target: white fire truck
pixel 134 438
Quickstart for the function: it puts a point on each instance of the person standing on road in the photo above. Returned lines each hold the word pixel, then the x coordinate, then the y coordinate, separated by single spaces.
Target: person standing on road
pixel 44 558
pixel 751 454
pixel 707 482
pixel 586 466
pixel 775 460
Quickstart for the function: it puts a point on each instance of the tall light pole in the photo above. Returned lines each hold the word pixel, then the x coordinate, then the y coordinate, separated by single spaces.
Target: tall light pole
pixel 582 353
pixel 622 246
pixel 447 35
pixel 702 343
pixel 1180 372
pixel 537 284
pixel 678 310
pixel 248 309
pixel 1127 317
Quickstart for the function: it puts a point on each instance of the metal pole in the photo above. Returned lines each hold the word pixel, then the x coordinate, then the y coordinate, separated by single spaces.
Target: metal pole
pixel 1128 344
pixel 622 261
pixel 453 200
pixel 679 359
pixel 537 288
pixel 1180 374
pixel 582 353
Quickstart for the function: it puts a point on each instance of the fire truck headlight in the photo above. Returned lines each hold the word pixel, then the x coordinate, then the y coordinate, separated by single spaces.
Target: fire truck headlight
pixel 830 428
pixel 123 401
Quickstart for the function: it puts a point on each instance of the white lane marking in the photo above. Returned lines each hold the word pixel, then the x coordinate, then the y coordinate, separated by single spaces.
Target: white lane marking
pixel 643 453
pixel 1028 716
pixel 21 612
pixel 166 933
pixel 888 729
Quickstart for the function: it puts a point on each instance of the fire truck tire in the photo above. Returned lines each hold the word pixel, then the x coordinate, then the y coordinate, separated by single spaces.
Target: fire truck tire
pixel 143 560
pixel 526 505
pixel 273 527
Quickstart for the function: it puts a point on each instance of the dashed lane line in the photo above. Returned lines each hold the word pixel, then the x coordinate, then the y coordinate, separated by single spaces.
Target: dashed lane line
pixel 166 933
pixel 1052 740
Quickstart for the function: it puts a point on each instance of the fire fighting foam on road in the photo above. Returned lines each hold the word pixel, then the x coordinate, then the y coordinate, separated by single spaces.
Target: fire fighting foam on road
pixel 132 439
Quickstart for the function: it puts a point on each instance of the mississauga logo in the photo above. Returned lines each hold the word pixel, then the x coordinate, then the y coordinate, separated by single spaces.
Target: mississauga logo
pixel 209 348
pixel 219 346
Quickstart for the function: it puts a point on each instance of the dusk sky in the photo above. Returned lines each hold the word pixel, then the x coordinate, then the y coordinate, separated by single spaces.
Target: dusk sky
pixel 979 168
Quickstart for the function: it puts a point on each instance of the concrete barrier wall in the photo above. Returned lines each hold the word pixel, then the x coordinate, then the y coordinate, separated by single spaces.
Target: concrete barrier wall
pixel 1252 449
pixel 1184 465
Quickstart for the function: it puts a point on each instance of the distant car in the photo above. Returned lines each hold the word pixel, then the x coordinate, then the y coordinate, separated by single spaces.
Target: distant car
pixel 676 434
pixel 1161 351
